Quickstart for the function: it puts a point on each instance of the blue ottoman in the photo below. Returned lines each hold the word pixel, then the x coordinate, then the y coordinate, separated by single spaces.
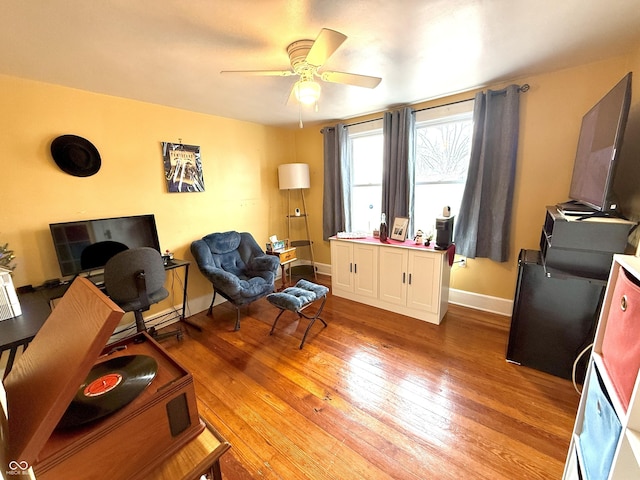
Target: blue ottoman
pixel 296 299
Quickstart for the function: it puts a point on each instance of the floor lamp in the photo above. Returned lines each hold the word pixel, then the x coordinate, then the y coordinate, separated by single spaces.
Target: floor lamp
pixel 295 176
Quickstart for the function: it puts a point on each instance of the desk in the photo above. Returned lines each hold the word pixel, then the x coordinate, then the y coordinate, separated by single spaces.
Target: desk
pixel 173 264
pixel 198 457
pixel 18 331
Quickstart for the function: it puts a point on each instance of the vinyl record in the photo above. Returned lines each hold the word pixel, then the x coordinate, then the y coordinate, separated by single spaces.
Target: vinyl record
pixel 109 386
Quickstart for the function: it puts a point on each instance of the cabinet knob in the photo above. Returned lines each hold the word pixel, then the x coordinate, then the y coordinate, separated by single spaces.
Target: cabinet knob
pixel 623 303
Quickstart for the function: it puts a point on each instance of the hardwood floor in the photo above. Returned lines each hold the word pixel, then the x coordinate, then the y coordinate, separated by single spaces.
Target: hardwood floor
pixel 375 395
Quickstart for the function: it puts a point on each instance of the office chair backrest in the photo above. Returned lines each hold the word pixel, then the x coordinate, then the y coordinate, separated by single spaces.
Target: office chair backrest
pixel 121 274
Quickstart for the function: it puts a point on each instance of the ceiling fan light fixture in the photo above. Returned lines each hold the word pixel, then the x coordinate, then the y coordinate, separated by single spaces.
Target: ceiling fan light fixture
pixel 307 91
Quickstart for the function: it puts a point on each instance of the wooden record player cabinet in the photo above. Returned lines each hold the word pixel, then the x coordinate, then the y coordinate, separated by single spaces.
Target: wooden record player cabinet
pixel 127 444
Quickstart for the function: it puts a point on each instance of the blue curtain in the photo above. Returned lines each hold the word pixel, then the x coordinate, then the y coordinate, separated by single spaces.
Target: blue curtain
pixel 398 163
pixel 336 181
pixel 483 226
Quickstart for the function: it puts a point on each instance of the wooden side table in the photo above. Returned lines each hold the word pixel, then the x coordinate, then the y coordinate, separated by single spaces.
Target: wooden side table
pixel 286 256
pixel 201 456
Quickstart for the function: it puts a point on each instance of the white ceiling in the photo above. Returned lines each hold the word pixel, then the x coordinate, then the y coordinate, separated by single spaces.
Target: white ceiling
pixel 170 52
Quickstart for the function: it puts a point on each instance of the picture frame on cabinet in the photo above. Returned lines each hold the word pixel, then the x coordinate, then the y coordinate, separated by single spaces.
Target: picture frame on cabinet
pixel 399 230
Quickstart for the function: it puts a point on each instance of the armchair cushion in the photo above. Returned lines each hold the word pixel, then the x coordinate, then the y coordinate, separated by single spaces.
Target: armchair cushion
pixel 220 243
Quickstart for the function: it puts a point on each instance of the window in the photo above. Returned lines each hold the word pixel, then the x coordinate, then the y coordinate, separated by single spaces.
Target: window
pixel 443 144
pixel 443 147
pixel 365 151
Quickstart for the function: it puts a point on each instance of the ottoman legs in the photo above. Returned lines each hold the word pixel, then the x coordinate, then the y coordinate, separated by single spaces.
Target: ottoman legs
pixel 301 314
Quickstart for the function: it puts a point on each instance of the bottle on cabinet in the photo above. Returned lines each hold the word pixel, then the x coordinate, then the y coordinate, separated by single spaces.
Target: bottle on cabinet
pixel 383 228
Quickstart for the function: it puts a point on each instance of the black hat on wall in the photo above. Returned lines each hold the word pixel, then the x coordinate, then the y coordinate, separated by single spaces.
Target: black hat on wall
pixel 76 155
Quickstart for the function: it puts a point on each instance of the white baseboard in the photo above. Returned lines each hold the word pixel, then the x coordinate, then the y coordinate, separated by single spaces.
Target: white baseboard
pixel 323 269
pixel 486 303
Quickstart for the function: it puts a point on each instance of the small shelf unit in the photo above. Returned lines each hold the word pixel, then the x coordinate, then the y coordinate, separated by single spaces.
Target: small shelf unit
pixel 625 462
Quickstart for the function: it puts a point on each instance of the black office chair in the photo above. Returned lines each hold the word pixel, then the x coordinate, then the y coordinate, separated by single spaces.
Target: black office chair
pixel 134 279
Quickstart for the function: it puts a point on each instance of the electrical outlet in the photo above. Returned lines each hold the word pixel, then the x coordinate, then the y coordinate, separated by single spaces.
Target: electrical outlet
pixel 463 263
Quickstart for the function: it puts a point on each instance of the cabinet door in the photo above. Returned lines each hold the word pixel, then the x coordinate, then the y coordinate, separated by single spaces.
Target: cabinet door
pixel 365 261
pixel 342 266
pixel 423 292
pixel 393 275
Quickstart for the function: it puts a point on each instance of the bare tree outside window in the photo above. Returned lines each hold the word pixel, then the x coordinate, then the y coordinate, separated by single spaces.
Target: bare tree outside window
pixel 442 152
pixel 443 147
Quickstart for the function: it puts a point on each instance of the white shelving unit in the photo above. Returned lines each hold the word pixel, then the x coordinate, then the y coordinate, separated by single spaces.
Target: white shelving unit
pixel 626 459
pixel 306 242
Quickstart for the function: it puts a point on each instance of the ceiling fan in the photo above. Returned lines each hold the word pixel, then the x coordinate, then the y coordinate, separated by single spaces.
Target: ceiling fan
pixel 307 57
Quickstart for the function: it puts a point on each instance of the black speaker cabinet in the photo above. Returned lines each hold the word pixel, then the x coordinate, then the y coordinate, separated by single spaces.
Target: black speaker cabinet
pixel 554 318
pixel 444 232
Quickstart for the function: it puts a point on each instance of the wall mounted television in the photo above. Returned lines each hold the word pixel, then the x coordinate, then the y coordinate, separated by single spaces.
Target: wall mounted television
pixel 86 245
pixel 599 144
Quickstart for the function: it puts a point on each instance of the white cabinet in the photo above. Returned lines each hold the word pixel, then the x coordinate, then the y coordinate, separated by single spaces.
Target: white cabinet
pixel 342 266
pixel 410 278
pixel 357 268
pixel 393 275
pixel 626 456
pixel 401 277
pixel 424 272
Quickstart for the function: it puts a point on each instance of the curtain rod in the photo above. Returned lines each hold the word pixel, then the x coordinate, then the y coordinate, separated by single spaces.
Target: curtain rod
pixel 523 88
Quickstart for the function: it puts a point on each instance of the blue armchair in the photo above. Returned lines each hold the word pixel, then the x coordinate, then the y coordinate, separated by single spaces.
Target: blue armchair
pixel 237 268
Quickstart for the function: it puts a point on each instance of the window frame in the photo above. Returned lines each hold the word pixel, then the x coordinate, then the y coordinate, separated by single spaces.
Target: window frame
pixel 430 116
pixel 365 129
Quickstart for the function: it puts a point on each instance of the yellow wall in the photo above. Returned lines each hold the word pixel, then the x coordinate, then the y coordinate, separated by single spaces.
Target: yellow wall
pixel 239 163
pixel 551 114
pixel 240 160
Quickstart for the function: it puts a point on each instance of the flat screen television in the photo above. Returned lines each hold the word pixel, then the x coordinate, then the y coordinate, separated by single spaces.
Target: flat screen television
pixel 599 145
pixel 86 245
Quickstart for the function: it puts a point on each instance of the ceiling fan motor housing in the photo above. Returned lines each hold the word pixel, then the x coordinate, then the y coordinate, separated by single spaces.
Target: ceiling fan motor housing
pixel 298 52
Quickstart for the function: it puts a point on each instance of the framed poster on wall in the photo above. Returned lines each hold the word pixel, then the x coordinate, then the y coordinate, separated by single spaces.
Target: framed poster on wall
pixel 182 167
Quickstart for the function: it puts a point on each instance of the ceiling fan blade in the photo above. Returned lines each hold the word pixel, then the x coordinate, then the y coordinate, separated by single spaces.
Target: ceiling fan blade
pixel 324 45
pixel 291 99
pixel 351 79
pixel 267 73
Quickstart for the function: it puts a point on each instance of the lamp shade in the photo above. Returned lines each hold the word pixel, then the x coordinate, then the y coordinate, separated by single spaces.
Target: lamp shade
pixel 307 91
pixel 293 175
